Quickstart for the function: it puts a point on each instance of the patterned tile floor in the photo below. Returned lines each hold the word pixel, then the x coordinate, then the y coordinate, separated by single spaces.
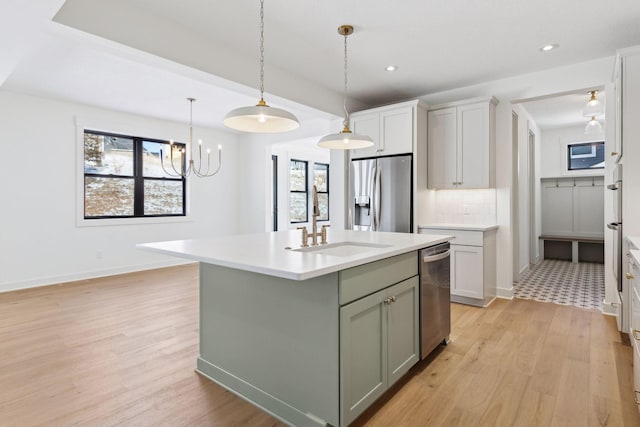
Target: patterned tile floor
pixel 563 282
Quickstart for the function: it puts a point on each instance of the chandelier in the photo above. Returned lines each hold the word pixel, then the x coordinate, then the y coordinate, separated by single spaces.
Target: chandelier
pixel 187 165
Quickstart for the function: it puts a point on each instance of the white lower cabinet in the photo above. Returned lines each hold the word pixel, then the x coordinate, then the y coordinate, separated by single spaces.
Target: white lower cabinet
pixel 466 271
pixel 472 262
pixel 633 276
pixel 379 342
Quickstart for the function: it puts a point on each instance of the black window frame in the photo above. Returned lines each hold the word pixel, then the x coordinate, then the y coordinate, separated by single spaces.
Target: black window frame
pixel 326 165
pixel 137 177
pixel 305 192
pixel 594 144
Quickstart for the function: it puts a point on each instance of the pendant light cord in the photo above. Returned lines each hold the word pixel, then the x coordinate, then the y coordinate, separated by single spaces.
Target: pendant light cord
pixel 345 123
pixel 261 52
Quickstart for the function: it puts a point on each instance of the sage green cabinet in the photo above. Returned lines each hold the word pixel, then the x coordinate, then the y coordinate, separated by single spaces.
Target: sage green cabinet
pixel 379 342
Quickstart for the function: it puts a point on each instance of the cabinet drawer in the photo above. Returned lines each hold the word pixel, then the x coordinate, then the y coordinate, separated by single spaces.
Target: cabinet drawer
pixel 461 237
pixel 366 279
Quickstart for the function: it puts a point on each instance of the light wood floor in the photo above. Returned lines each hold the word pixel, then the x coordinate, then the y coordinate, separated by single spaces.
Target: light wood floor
pixel 122 351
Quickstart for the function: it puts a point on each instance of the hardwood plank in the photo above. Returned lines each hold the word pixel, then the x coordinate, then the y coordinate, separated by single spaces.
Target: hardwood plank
pixel 547 370
pixel 505 402
pixel 573 394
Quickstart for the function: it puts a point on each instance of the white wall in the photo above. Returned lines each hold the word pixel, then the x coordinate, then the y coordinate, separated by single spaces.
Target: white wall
pixel 254 151
pixel 554 150
pixel 300 151
pixel 39 240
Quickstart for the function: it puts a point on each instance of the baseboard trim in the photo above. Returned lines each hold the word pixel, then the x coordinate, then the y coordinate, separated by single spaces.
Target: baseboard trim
pixel 610 308
pixel 504 293
pixel 56 280
pixel 263 400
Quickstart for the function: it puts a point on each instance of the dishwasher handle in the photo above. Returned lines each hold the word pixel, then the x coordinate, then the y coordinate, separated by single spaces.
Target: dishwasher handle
pixel 437 257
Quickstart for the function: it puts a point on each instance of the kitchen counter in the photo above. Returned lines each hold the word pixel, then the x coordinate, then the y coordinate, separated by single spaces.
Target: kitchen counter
pixel 447 226
pixel 265 253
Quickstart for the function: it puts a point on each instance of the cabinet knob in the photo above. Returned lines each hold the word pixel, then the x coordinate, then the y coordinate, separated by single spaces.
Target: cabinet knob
pixel 389 300
pixel 614 153
pixel 629 276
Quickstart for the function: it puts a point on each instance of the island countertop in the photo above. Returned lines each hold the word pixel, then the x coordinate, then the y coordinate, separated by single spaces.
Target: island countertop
pixel 276 253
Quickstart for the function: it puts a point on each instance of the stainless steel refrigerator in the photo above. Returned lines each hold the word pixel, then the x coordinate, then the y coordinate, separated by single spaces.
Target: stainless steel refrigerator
pixel 380 194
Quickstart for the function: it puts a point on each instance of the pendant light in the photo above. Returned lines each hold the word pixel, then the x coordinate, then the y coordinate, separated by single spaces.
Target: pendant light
pixel 345 139
pixel 593 128
pixel 593 107
pixel 261 118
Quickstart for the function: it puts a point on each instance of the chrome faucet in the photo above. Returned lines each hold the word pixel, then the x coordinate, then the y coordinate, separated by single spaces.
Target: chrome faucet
pixel 314 225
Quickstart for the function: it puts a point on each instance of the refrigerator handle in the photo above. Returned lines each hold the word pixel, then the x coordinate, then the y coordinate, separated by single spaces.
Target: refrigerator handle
pixel 375 200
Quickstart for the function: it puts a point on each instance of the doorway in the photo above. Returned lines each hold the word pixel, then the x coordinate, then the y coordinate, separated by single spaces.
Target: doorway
pixel 560 212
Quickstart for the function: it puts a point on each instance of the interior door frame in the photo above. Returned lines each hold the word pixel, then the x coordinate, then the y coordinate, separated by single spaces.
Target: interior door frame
pixel 515 226
pixel 533 239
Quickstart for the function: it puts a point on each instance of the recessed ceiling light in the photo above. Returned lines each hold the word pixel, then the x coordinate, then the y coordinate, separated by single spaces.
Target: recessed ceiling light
pixel 391 68
pixel 548 47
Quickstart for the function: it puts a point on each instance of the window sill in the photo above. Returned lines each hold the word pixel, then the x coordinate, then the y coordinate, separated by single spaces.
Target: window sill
pixel 105 222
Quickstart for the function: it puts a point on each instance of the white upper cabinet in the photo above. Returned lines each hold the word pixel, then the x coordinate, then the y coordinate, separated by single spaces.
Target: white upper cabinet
pixel 442 157
pixel 392 129
pixel 461 145
pixel 369 125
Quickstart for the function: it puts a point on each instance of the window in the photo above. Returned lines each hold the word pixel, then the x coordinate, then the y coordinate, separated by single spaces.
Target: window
pixel 589 155
pixel 321 181
pixel 298 191
pixel 123 178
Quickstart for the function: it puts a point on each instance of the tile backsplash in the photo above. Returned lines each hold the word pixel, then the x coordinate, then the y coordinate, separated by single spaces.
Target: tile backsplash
pixel 465 206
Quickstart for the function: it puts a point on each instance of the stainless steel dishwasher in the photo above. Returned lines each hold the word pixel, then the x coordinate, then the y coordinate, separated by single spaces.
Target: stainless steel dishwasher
pixel 435 297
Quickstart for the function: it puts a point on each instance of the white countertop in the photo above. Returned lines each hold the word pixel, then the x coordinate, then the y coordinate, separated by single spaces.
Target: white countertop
pixel 447 226
pixel 265 252
pixel 635 254
pixel 634 240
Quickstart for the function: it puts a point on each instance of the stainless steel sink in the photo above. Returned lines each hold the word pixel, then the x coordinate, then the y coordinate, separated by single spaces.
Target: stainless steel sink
pixel 342 248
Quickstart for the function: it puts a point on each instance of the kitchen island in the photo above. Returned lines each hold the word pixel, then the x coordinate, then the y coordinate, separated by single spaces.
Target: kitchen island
pixel 313 335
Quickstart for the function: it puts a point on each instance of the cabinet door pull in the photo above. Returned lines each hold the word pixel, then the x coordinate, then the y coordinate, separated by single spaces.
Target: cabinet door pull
pixel 636 334
pixel 614 153
pixel 387 300
pixel 393 298
pixel 629 276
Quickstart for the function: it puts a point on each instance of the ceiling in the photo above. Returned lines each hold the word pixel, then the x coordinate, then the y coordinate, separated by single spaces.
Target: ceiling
pixel 145 56
pixel 561 111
